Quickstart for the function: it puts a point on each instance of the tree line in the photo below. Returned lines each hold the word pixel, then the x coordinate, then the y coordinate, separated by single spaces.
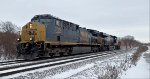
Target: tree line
pixel 8 36
pixel 129 42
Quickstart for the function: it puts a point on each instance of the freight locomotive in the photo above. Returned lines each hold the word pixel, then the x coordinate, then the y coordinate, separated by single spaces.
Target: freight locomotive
pixel 49 36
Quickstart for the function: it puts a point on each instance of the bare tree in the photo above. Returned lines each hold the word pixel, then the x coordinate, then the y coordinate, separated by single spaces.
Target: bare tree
pixel 128 41
pixel 8 36
pixel 131 40
pixel 125 41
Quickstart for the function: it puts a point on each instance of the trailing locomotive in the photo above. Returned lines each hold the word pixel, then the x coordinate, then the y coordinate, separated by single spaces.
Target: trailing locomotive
pixel 47 35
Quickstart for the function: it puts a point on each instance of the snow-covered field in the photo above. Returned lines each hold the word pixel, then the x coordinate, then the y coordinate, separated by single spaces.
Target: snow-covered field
pixel 140 71
pixel 109 67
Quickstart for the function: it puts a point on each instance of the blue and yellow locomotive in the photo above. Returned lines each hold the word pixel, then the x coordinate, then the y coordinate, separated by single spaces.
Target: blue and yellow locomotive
pixel 47 36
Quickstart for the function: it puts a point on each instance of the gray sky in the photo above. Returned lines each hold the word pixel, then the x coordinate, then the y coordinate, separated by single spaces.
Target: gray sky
pixel 117 17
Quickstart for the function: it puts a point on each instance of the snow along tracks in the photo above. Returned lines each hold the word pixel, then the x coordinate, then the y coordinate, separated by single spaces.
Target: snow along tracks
pixel 27 66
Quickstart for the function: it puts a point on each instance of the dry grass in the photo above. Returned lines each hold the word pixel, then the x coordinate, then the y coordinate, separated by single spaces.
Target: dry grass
pixel 110 73
pixel 114 71
pixel 137 54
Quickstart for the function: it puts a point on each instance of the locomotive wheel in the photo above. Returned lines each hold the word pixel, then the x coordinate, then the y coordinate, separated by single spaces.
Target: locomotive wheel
pixel 61 54
pixel 69 53
pixel 51 55
pixel 18 55
pixel 29 57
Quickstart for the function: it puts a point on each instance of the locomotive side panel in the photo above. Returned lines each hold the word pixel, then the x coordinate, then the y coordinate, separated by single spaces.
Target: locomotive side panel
pixel 108 39
pixel 70 32
pixel 84 36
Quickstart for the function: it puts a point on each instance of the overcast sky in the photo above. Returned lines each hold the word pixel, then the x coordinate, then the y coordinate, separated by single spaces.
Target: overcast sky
pixel 117 17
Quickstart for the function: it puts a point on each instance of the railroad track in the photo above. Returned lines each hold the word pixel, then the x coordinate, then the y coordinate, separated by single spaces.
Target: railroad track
pixel 11 62
pixel 17 63
pixel 23 67
pixel 8 63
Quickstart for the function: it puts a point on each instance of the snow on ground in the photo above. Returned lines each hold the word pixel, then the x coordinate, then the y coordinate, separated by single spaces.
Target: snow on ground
pixel 4 59
pixel 50 71
pixel 105 69
pixel 140 71
pixel 70 72
pixel 109 67
pixel 59 69
pixel 117 67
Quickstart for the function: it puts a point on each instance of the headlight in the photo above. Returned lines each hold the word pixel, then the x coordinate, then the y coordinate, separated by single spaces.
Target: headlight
pixel 31 39
pixel 18 39
pixel 30 26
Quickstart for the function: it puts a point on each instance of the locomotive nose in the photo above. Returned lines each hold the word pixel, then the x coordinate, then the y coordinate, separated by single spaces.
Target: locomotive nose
pixel 34 32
